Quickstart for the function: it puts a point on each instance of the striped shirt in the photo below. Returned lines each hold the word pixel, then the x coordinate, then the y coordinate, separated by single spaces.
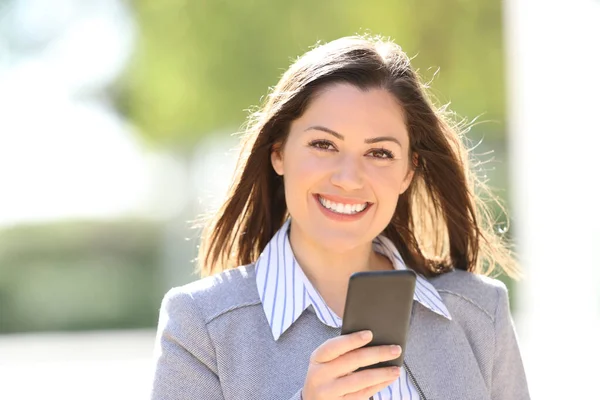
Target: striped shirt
pixel 286 292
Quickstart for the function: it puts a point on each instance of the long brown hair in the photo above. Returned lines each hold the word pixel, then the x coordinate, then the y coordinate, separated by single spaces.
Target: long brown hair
pixel 441 221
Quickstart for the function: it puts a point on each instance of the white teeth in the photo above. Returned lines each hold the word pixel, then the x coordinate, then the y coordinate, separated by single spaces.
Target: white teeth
pixel 341 208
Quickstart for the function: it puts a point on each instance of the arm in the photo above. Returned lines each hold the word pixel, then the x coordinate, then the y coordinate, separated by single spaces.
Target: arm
pixel 185 360
pixel 508 375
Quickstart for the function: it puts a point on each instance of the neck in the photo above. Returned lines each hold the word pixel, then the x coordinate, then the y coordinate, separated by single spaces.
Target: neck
pixel 329 270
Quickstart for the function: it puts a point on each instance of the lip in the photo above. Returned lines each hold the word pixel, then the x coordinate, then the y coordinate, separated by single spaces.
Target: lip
pixel 341 217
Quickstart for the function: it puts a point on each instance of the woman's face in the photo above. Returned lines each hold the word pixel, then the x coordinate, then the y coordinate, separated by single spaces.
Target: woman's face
pixel 344 164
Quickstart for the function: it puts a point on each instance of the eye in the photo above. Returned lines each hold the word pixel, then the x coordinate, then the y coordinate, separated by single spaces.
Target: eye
pixel 382 154
pixel 320 144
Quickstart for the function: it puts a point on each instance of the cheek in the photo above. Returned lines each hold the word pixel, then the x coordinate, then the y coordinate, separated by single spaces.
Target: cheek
pixel 302 166
pixel 387 182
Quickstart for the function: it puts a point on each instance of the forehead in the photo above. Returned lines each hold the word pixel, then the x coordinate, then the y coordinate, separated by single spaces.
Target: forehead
pixel 348 108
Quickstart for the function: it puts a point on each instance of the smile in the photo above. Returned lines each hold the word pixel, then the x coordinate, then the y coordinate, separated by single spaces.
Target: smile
pixel 342 208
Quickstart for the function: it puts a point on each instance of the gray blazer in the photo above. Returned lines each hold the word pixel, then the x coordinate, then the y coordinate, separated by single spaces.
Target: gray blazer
pixel 214 342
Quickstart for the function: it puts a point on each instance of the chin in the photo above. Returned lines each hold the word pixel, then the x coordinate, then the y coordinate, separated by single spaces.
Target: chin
pixel 340 241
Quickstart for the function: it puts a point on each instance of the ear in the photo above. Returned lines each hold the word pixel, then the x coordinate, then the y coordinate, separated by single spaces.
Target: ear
pixel 415 160
pixel 407 180
pixel 277 158
pixel 411 172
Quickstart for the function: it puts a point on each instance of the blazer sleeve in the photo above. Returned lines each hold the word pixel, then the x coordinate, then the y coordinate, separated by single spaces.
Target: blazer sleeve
pixel 508 374
pixel 185 365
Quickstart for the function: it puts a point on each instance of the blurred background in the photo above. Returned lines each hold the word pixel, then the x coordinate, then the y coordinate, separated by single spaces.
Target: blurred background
pixel 116 131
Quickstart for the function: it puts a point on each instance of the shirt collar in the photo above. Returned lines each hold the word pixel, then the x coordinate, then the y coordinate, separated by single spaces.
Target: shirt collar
pixel 285 291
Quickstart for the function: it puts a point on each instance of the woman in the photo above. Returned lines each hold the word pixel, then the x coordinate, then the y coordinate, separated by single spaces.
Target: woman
pixel 347 167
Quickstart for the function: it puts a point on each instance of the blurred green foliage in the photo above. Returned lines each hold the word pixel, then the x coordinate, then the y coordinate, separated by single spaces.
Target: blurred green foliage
pixel 197 69
pixel 79 275
pixel 201 64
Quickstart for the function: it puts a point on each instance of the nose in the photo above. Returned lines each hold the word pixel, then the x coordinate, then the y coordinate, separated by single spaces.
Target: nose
pixel 348 174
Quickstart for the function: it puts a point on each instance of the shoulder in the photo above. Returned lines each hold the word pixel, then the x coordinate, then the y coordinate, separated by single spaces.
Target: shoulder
pixel 212 296
pixel 474 292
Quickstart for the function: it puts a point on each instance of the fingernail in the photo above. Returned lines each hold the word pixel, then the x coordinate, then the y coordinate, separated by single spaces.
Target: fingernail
pixel 366 335
pixel 395 350
pixel 396 371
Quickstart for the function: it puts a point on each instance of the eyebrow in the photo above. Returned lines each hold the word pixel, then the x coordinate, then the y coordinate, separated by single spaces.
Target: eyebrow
pixel 377 139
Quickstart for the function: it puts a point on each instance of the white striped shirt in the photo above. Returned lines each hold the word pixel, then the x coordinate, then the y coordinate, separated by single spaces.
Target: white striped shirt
pixel 286 292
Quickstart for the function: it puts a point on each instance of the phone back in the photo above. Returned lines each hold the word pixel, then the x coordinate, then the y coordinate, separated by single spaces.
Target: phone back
pixel 381 301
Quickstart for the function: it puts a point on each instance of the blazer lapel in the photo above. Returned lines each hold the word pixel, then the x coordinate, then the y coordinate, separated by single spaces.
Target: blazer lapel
pixel 441 360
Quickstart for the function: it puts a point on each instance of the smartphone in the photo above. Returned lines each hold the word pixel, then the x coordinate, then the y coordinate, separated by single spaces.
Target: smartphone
pixel 381 301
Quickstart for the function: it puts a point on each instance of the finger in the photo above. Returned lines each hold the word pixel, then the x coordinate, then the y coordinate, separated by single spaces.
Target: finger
pixel 364 357
pixel 357 381
pixel 368 392
pixel 333 348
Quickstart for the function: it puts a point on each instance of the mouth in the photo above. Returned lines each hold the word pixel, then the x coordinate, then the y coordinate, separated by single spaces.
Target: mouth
pixel 342 208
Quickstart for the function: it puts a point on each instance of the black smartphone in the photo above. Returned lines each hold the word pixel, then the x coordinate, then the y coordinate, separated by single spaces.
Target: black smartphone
pixel 381 301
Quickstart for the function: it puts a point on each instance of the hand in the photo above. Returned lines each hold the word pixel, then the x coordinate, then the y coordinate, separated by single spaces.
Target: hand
pixel 331 370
